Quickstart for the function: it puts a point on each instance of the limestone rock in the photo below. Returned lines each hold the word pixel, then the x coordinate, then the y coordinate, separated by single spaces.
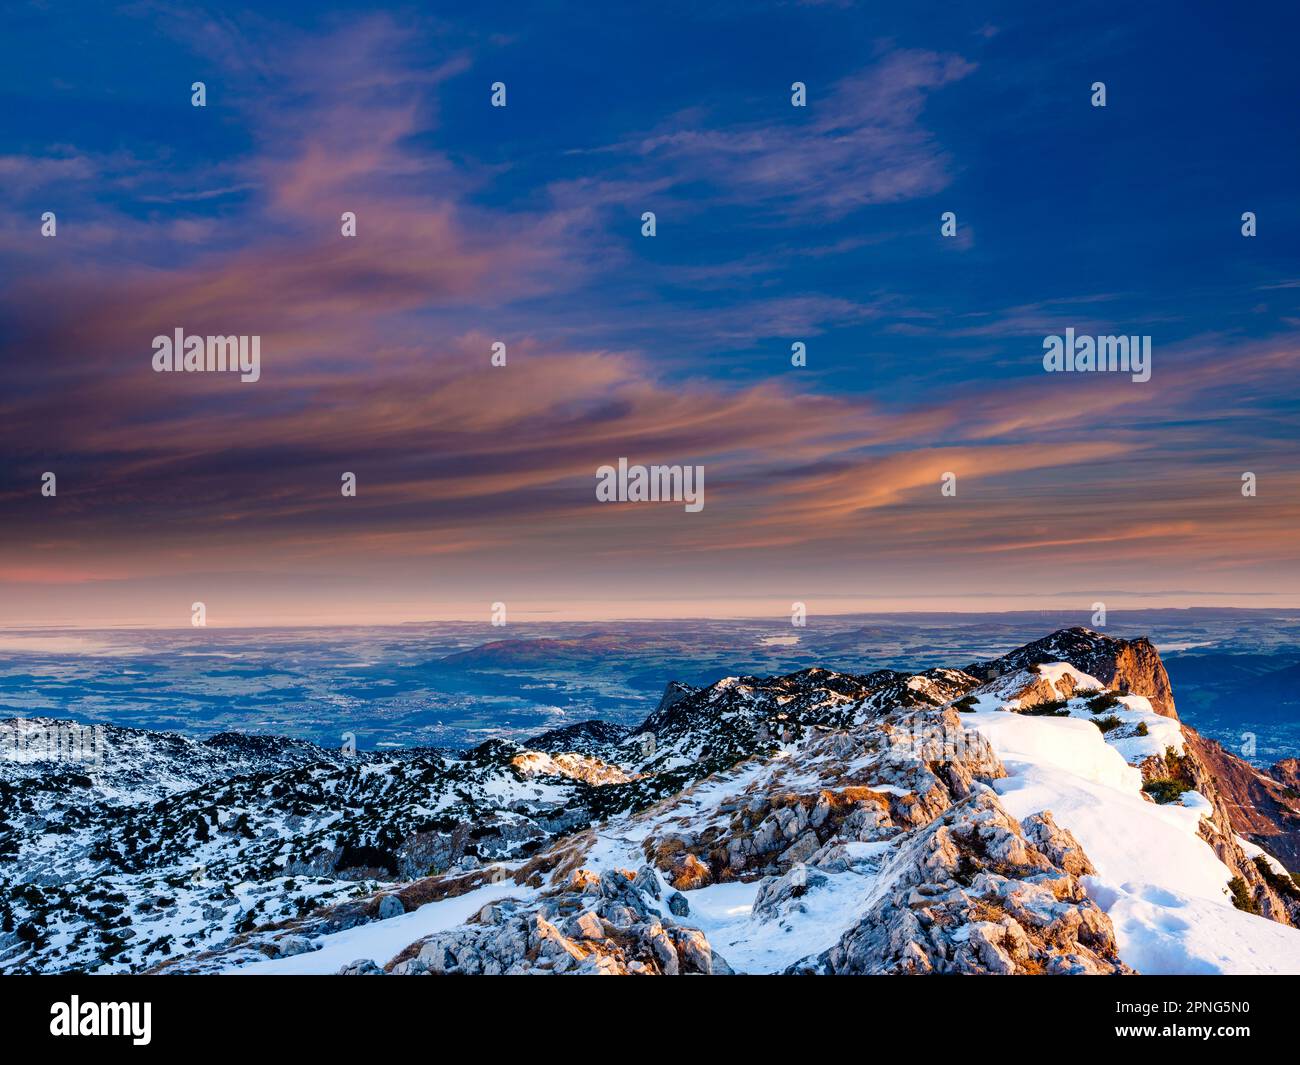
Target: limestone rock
pixel 972 894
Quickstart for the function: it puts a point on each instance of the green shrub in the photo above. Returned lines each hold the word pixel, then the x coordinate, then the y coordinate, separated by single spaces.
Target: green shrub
pixel 1105 701
pixel 28 933
pixel 966 704
pixel 1142 729
pixel 1179 768
pixel 1241 895
pixel 1052 708
pixel 1165 789
pixel 1107 724
pixel 1281 884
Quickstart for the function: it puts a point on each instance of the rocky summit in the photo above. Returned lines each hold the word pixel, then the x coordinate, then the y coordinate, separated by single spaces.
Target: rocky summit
pixel 1044 812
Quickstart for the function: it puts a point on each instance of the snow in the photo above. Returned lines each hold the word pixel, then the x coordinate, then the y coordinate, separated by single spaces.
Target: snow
pixel 382 940
pixel 722 912
pixel 1134 712
pixel 1163 886
pixel 1053 672
pixel 1162 732
pixel 1070 744
pixel 1166 932
pixel 1194 800
pixel 1253 850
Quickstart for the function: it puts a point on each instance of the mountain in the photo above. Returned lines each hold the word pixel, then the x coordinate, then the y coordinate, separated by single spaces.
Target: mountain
pixel 1262 807
pixel 170 845
pixel 1125 665
pixel 1040 812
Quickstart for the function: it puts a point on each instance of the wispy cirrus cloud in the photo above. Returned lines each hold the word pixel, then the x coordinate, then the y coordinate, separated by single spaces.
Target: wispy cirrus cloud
pixel 375 355
pixel 859 142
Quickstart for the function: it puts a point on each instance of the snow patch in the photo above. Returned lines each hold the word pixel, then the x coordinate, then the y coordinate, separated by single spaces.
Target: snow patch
pixel 1163 886
pixel 383 940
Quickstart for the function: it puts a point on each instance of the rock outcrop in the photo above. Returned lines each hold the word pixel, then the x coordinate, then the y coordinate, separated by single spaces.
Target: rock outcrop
pixel 976 892
pixel 1253 805
pixel 607 925
pixel 863 800
pixel 1122 665
pixel 877 780
pixel 1245 802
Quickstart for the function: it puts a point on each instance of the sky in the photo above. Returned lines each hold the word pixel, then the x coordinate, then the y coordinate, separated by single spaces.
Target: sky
pixel 522 224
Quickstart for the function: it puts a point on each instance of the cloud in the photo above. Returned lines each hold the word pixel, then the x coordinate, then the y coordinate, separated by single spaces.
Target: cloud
pixel 376 360
pixel 859 142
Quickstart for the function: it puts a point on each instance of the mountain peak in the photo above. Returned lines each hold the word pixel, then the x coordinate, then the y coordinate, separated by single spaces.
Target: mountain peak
pixel 1003 818
pixel 1129 666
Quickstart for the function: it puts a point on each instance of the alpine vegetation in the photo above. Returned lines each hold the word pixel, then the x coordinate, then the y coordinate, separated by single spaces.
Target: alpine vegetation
pixel 1108 354
pixel 651 484
pixel 976 819
pixel 197 354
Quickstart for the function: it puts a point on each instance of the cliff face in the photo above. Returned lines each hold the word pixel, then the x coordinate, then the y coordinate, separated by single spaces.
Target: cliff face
pixel 1262 807
pixel 1224 780
pixel 988 820
pixel 1287 773
pixel 1137 666
pixel 1122 665
pixel 1244 802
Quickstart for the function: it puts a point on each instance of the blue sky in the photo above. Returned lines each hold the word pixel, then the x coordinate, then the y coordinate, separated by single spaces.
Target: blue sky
pixel 775 224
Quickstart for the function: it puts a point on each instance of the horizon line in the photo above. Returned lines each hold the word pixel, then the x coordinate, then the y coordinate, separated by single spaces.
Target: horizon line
pixel 534 621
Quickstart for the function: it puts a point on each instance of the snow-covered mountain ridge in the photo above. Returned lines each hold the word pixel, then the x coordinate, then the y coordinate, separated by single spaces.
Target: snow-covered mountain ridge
pixel 1044 812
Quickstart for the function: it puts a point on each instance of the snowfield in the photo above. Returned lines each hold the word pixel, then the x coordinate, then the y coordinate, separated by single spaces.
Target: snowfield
pixel 1165 932
pixel 809 822
pixel 382 939
pixel 722 912
pixel 1162 885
